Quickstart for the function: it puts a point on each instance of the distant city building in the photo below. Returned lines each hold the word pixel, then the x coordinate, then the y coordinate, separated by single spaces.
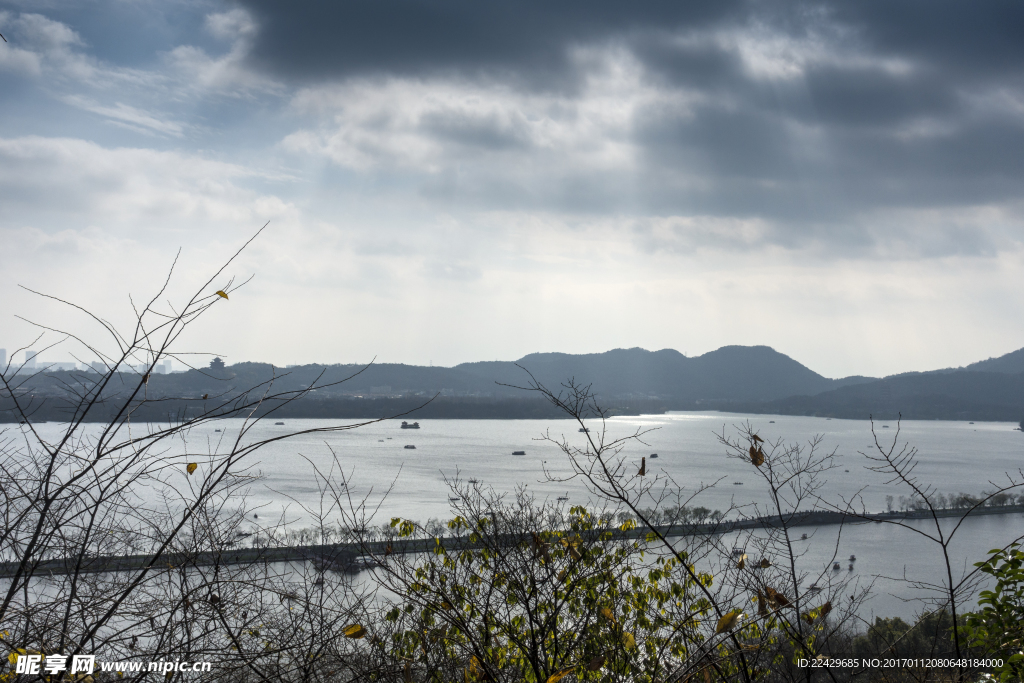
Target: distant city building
pixel 167 367
pixel 30 360
pixel 3 358
pixel 98 366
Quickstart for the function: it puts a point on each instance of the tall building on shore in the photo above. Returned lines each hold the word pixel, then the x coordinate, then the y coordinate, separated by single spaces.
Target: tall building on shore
pixel 30 360
pixel 3 359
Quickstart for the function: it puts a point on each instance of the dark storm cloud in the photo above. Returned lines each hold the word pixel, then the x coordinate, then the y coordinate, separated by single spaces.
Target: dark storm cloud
pixel 807 114
pixel 523 40
pixel 329 39
pixel 963 40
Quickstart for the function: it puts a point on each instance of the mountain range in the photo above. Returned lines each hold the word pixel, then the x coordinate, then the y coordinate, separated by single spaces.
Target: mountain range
pixel 747 379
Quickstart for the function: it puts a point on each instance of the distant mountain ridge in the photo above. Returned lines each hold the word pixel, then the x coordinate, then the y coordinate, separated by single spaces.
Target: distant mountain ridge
pixel 958 395
pixel 1010 363
pixel 992 389
pixel 731 373
pixel 753 379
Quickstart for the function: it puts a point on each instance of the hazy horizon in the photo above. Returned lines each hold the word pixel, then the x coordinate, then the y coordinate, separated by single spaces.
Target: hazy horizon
pixel 455 182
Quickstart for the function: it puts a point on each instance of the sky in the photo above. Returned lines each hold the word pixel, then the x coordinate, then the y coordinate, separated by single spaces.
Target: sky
pixel 455 180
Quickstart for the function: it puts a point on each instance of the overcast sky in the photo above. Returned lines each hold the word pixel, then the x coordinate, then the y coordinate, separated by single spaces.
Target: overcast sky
pixel 450 181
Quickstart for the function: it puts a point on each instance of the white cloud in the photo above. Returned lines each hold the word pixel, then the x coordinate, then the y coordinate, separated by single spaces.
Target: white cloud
pixel 136 118
pixel 769 54
pixel 231 25
pixel 51 181
pixel 433 125
pixel 226 74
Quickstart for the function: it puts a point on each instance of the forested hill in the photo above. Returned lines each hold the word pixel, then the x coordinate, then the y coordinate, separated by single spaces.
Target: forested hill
pixel 731 373
pixel 955 395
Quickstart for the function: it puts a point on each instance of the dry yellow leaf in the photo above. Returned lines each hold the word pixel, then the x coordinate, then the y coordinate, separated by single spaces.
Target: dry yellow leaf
pixel 826 608
pixel 742 563
pixel 728 621
pixel 765 563
pixel 354 631
pixel 555 677
pixel 756 456
pixel 191 467
pixel 607 613
pixel 628 641
pixel 221 293
pixel 475 672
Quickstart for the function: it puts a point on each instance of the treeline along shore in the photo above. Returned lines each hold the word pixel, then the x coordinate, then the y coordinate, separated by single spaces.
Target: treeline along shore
pixel 352 556
pixel 52 409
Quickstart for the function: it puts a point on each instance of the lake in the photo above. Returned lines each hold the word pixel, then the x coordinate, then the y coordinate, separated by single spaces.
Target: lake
pixel 953 457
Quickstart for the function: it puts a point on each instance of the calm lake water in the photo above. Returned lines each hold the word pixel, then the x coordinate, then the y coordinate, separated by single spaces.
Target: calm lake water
pixel 953 457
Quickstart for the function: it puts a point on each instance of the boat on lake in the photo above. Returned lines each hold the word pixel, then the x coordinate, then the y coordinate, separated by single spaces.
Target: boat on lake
pixel 518 452
pixel 654 455
pixel 565 497
pixel 836 567
pixel 414 425
pixel 279 423
pixel 584 430
pixel 411 447
pixel 474 481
